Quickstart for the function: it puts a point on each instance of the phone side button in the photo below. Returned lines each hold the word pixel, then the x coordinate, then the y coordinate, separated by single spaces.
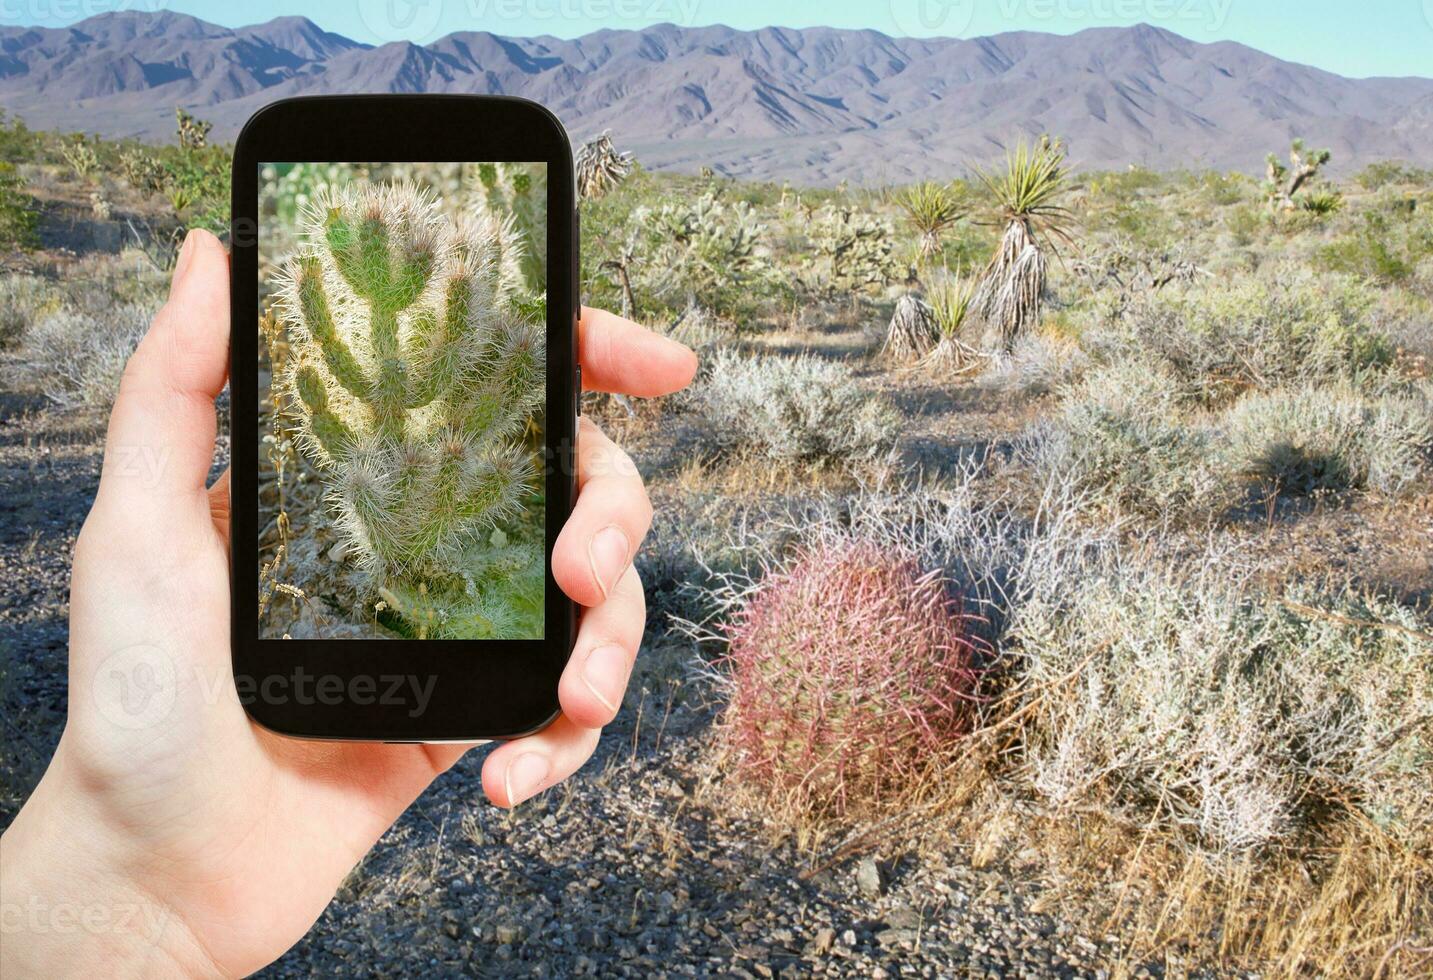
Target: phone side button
pixel 576 397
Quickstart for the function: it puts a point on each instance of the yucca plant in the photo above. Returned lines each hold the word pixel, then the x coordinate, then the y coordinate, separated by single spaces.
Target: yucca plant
pixel 1322 202
pixel 930 208
pixel 600 167
pixel 912 331
pixel 951 298
pixel 1013 285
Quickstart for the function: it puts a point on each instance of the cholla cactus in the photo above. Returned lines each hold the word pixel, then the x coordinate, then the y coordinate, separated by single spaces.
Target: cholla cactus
pixel 142 171
pixel 415 373
pixel 712 250
pixel 515 195
pixel 81 156
pixel 600 167
pixel 855 247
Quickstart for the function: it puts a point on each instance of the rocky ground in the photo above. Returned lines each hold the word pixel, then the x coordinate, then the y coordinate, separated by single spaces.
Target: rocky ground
pixel 642 865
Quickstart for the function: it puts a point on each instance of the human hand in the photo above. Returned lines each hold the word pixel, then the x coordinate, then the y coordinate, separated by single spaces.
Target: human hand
pixel 184 838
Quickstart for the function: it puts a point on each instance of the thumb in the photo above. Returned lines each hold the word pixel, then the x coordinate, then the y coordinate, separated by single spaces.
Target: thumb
pixel 161 431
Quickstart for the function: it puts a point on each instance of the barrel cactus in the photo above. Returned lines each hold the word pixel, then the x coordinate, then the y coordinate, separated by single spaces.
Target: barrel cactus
pixel 418 366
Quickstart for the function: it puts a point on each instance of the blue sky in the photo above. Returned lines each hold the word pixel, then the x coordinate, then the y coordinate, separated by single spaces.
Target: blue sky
pixel 1351 37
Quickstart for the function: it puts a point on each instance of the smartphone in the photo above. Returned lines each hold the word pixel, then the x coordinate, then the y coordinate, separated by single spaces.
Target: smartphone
pixel 404 397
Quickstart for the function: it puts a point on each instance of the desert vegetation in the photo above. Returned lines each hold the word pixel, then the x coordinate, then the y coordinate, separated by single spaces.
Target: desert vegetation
pixel 1068 526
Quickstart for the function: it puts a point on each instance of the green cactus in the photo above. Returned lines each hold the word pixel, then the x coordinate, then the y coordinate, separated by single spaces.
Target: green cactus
pixel 515 194
pixel 417 369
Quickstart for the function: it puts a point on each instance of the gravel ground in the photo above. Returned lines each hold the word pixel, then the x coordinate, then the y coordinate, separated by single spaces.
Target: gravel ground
pixel 641 865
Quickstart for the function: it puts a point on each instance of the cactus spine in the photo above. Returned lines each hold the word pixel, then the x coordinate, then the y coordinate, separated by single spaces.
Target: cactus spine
pixel 514 195
pixel 417 369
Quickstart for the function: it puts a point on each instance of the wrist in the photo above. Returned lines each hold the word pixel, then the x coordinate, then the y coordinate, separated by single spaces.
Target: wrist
pixel 65 907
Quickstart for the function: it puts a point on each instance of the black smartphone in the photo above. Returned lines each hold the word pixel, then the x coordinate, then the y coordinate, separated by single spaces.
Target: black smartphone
pixel 404 397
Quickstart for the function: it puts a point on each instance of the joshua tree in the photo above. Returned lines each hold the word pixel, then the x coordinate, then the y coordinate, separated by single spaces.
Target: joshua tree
pixel 1013 285
pixel 1284 182
pixel 415 371
pixel 931 208
pixel 193 132
pixel 514 195
pixel 600 167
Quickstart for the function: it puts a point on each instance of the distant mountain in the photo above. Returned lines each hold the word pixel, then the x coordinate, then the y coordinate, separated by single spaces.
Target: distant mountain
pixel 814 106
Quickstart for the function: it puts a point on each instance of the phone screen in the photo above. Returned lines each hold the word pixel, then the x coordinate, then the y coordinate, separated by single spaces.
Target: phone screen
pixel 401 397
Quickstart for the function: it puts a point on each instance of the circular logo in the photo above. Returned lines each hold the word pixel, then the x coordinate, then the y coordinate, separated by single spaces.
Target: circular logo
pixel 135 687
pixel 934 18
pixel 401 20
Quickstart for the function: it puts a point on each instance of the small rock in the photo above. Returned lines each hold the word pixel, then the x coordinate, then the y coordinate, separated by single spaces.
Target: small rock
pixel 869 878
pixel 825 939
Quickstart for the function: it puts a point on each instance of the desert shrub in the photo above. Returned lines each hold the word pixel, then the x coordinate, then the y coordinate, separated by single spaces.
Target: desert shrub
pixel 1311 439
pixel 1381 247
pixel 801 408
pixel 18 216
pixel 1038 364
pixel 23 298
pixel 850 679
pixel 1179 695
pixel 1382 173
pixel 1255 331
pixel 75 358
pixel 1120 435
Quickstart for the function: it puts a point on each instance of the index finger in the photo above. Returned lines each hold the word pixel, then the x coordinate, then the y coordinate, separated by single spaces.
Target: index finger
pixel 620 356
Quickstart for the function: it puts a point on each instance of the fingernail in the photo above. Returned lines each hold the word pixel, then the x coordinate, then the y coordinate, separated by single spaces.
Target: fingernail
pixel 605 674
pixel 181 265
pixel 608 554
pixel 525 776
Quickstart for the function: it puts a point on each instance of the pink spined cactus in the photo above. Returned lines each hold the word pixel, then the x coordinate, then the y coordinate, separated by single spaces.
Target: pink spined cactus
pixel 853 677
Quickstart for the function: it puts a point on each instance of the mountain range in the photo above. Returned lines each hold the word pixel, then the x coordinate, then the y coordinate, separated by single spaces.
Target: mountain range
pixel 815 105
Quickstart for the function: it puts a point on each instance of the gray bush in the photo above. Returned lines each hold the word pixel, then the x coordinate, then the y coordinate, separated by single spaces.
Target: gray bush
pixel 1285 327
pixel 23 298
pixel 76 358
pixel 802 408
pixel 1121 436
pixel 1331 438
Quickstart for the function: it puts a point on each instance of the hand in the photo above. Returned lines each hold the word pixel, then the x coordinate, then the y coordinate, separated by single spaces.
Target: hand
pixel 202 843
